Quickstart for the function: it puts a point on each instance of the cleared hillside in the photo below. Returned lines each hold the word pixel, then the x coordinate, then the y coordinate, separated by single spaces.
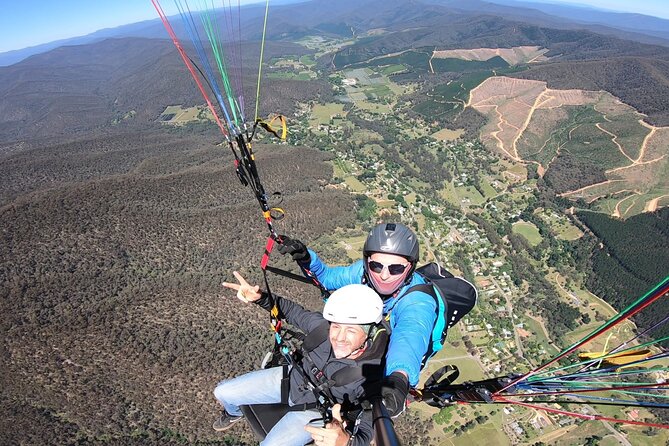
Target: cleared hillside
pixel 586 144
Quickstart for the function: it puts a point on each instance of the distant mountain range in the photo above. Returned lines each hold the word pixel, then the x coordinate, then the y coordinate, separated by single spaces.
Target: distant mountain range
pixel 137 76
pixel 289 16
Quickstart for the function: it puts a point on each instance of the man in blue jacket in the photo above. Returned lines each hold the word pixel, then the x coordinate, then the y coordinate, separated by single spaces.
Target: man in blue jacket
pixel 390 255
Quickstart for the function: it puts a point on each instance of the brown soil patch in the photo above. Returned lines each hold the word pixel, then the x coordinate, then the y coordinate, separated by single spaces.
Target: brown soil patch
pixel 512 56
pixel 510 105
pixel 651 206
pixel 523 333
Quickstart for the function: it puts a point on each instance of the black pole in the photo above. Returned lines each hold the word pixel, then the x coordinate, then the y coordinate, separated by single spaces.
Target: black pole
pixel 384 430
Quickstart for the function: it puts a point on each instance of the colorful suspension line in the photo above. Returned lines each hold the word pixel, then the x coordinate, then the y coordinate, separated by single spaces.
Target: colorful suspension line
pixel 190 66
pixel 586 370
pixel 586 383
pixel 262 50
pixel 192 29
pixel 651 296
pixel 245 166
pixel 580 415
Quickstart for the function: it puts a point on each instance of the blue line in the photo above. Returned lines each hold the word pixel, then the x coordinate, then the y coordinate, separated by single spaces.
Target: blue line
pixel 191 28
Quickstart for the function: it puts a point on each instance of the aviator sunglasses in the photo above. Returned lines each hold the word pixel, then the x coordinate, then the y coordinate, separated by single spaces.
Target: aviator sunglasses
pixel 395 269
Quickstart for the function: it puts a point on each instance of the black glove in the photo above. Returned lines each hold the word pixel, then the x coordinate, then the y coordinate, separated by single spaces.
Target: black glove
pixel 295 248
pixel 394 391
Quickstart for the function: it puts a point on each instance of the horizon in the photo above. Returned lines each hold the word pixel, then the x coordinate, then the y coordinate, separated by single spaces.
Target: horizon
pixel 77 18
pixel 71 19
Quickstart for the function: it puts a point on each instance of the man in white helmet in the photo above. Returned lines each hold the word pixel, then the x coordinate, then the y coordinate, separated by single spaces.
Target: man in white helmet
pixel 346 350
pixel 390 256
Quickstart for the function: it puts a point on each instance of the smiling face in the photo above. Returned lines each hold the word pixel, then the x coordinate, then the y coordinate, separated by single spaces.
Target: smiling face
pixel 346 339
pixel 381 267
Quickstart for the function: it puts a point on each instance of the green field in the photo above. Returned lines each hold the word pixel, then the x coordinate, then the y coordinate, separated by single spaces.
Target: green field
pixel 468 195
pixel 560 225
pixel 629 133
pixel 353 246
pixel 577 435
pixel 568 232
pixel 301 76
pixel 363 136
pixel 546 131
pixel 341 168
pixel 459 65
pixel 448 134
pixel 392 69
pixel 377 92
pixel 179 115
pixel 628 203
pixel 322 114
pixel 488 190
pixel 469 368
pixel 490 433
pixel 606 205
pixel 512 172
pixel 308 60
pixel 529 231
pixel 354 184
pixel 637 437
pixel 373 106
pixel 416 59
pixel 449 194
pixel 539 337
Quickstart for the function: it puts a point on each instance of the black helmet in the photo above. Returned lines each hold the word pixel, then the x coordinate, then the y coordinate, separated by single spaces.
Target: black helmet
pixel 392 238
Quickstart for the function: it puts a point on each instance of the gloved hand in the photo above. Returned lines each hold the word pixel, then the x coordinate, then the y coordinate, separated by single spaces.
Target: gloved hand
pixel 295 248
pixel 394 391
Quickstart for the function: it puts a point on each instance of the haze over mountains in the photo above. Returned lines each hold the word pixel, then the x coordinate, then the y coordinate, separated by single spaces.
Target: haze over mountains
pixel 634 26
pixel 112 78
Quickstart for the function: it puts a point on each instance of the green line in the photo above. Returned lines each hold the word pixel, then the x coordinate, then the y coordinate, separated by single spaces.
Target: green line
pixel 585 384
pixel 614 319
pixel 262 50
pixel 216 48
pixel 557 379
pixel 537 377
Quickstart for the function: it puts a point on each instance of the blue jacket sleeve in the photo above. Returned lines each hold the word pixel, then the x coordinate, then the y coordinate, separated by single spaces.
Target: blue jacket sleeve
pixel 335 277
pixel 412 320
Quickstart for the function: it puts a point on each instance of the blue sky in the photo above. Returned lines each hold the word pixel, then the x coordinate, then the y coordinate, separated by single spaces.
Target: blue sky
pixel 25 23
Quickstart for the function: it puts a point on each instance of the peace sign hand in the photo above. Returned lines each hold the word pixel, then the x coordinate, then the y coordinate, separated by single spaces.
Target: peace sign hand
pixel 245 292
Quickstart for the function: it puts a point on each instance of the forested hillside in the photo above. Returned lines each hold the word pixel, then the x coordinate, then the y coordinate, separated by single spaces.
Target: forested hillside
pixel 121 217
pixel 632 259
pixel 116 327
pixel 642 82
pixel 122 85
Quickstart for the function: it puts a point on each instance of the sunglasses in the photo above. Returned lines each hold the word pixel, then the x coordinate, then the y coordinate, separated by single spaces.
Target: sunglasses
pixel 395 269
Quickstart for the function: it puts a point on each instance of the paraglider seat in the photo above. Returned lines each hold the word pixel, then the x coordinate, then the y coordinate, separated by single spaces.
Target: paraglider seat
pixel 263 417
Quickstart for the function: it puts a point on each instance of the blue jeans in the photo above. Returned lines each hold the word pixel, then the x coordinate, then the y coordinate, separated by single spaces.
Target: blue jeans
pixel 264 387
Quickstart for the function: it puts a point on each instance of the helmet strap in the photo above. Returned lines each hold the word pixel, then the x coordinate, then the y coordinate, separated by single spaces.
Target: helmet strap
pixel 361 349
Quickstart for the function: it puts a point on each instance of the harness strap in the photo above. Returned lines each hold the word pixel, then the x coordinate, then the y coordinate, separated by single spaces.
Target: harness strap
pixel 288 274
pixel 428 289
pixel 285 384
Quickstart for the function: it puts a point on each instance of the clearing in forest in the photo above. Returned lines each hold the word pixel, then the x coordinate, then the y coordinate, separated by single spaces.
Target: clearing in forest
pixel 512 56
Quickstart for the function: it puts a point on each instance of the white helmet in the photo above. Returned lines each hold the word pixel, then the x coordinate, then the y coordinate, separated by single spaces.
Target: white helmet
pixel 354 304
